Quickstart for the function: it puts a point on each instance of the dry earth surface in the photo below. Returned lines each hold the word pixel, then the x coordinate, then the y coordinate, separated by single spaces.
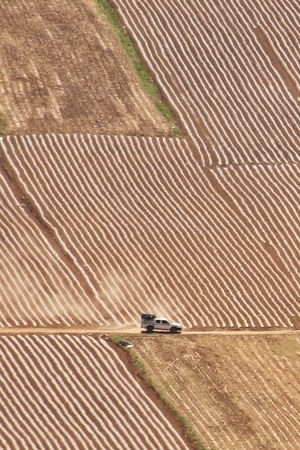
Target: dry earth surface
pixel 62 70
pixel 96 229
pixel 236 391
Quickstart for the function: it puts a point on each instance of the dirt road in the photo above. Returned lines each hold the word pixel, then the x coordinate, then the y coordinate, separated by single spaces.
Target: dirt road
pixel 88 329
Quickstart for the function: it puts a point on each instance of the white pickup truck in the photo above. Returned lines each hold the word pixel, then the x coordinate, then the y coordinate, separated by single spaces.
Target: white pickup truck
pixel 152 323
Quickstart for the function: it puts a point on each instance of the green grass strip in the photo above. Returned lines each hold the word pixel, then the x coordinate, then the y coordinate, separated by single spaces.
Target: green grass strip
pixel 2 123
pixel 147 82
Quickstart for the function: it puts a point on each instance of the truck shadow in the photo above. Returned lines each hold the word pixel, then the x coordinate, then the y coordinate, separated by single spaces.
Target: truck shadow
pixel 159 332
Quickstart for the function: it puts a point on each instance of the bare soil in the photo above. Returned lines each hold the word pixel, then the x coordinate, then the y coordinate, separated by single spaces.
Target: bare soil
pixel 63 70
pixel 236 391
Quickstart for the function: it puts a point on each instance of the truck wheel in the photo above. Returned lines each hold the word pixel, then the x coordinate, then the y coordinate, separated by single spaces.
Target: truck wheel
pixel 173 330
pixel 149 329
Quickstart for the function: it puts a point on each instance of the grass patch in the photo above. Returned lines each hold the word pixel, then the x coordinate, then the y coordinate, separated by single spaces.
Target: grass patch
pixel 2 123
pixel 147 82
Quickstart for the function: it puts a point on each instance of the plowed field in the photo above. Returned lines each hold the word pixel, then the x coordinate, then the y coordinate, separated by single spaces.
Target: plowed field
pixel 102 217
pixel 103 228
pixel 62 392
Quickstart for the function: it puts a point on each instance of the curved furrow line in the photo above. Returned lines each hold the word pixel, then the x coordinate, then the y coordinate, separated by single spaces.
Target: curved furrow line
pixel 37 191
pixel 83 396
pixel 237 238
pixel 28 249
pixel 238 183
pixel 230 90
pixel 131 10
pixel 271 17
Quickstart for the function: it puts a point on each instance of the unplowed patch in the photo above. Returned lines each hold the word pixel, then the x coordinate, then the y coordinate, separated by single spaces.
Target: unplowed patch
pixel 235 391
pixel 62 69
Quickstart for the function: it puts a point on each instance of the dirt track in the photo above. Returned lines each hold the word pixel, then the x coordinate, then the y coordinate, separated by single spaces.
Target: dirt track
pixel 135 330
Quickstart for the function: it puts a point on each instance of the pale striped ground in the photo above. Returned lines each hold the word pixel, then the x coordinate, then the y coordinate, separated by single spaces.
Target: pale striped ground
pixel 62 392
pixel 231 70
pixel 142 226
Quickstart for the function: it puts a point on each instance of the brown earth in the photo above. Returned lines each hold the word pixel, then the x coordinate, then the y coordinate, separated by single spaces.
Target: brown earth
pixel 236 391
pixel 62 70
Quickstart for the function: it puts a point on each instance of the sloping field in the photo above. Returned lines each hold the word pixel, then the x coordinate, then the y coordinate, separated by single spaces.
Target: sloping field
pixel 62 70
pixel 103 217
pixel 62 392
pixel 231 70
pixel 142 226
pixel 237 392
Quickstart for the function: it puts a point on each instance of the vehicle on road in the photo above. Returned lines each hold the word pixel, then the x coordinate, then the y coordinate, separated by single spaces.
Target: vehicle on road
pixel 151 323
